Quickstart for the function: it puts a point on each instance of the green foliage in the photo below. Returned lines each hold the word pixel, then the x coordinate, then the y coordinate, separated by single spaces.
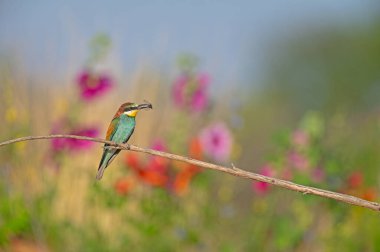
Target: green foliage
pixel 99 46
pixel 14 216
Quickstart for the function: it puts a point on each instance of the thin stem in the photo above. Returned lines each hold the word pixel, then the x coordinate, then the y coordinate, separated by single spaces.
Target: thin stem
pixel 230 170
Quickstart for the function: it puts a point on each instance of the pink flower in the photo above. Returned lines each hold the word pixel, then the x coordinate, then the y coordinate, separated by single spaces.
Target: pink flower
pixel 300 138
pixel 216 141
pixel 298 161
pixel 263 187
pixel 92 85
pixel 191 92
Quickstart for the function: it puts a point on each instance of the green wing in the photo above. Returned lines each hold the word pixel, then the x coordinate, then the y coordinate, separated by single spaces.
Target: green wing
pixel 108 154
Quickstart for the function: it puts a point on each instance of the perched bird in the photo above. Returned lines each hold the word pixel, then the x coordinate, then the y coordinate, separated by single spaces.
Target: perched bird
pixel 119 131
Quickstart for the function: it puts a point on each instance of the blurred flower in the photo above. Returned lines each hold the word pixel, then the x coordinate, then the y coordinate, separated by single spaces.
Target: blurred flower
pixel 195 150
pixel 92 85
pixel 123 186
pixel 151 173
pixel 300 138
pixel 263 187
pixel 183 178
pixel 369 194
pixel 287 173
pixel 191 92
pixel 355 179
pixel 298 161
pixel 182 181
pixel 153 178
pixel 132 161
pixel 154 172
pixel 318 175
pixel 76 144
pixel 157 163
pixel 216 141
pixel 11 115
pixel 59 144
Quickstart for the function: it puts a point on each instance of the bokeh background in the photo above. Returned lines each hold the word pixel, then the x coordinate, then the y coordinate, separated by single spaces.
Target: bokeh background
pixel 285 89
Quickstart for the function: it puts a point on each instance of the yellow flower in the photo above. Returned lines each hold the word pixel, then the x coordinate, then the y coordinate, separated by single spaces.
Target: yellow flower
pixel 11 115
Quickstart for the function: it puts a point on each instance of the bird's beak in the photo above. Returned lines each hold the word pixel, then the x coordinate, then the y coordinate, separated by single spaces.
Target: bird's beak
pixel 145 106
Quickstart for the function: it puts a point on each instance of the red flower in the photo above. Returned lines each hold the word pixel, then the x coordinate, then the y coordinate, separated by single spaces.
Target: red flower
pixel 153 178
pixel 154 172
pixel 132 161
pixel 187 171
pixel 369 194
pixel 355 179
pixel 182 181
pixel 123 186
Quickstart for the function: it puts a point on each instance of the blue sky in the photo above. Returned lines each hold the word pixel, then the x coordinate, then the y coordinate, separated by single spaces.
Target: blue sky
pixel 52 35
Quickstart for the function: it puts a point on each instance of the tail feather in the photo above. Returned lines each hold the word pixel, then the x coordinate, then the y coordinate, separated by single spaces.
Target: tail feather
pixel 108 156
pixel 99 175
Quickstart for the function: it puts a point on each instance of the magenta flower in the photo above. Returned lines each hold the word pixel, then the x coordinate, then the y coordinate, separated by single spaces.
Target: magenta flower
pixel 92 85
pixel 262 187
pixel 76 144
pixel 159 145
pixel 216 141
pixel 191 92
pixel 60 144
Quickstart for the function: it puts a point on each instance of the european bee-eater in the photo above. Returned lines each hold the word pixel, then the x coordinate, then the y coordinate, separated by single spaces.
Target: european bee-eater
pixel 119 131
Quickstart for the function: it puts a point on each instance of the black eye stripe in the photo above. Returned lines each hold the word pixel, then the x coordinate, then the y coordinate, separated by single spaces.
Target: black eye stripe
pixel 130 108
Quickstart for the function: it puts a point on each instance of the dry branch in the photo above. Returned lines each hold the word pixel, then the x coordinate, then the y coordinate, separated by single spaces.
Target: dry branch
pixel 231 170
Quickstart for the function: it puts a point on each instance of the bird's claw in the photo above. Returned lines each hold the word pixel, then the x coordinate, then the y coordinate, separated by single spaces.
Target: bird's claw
pixel 234 167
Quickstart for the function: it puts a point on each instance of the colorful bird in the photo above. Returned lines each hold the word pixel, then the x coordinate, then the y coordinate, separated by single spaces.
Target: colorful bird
pixel 119 131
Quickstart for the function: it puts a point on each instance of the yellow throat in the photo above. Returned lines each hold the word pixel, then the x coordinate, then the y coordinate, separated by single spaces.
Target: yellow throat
pixel 132 113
